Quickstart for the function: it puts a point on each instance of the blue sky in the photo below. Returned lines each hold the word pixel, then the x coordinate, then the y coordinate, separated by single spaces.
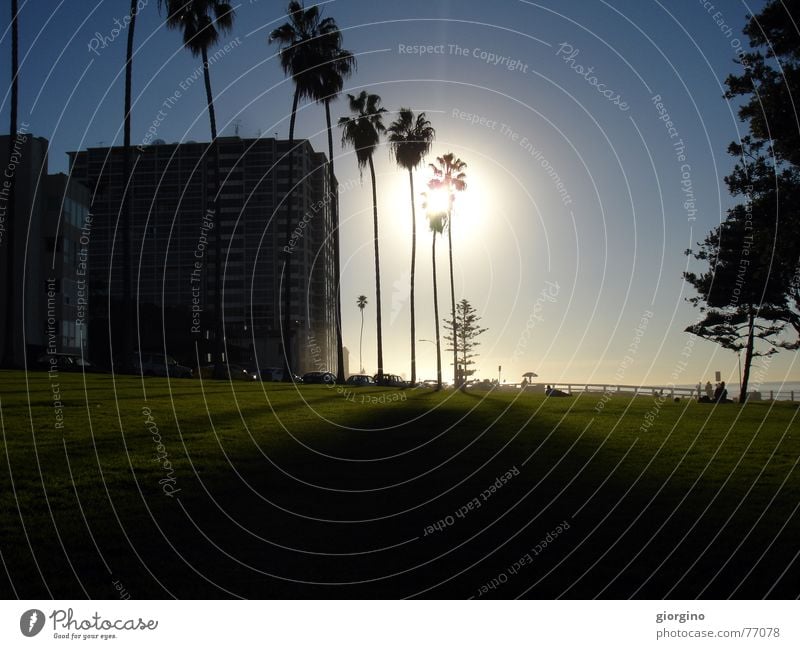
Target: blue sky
pixel 563 275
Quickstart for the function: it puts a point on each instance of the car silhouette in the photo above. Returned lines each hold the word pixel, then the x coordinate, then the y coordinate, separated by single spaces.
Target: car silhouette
pixel 326 378
pixel 229 370
pixel 360 380
pixel 274 374
pixel 391 381
pixel 65 363
pixel 158 364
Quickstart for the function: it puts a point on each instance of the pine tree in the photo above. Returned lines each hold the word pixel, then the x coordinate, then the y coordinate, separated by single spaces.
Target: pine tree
pixel 745 293
pixel 464 342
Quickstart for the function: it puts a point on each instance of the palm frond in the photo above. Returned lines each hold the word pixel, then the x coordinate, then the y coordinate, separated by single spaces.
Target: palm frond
pixel 194 18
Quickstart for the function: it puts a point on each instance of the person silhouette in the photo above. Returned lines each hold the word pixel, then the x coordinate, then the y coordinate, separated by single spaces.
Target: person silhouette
pixel 721 393
pixel 709 390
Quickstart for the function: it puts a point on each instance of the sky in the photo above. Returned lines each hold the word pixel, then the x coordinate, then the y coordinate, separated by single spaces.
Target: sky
pixel 595 135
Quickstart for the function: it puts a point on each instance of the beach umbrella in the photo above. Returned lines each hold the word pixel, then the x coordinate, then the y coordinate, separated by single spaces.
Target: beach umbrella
pixel 529 375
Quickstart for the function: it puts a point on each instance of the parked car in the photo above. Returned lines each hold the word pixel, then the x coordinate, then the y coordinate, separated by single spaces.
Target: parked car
pixel 268 374
pixel 428 383
pixel 391 381
pixel 158 364
pixel 360 380
pixel 484 384
pixel 229 370
pixel 326 378
pixel 65 363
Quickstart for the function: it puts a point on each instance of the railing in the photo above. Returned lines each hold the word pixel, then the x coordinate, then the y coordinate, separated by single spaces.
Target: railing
pixel 603 388
pixel 650 390
pixel 775 395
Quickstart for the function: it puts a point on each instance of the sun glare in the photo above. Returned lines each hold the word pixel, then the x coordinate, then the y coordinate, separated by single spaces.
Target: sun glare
pixel 469 207
pixel 437 201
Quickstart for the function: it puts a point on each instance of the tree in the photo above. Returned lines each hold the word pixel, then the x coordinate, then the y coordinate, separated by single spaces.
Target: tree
pixel 9 355
pixel 744 293
pixel 437 215
pixel 363 131
pixel 361 302
pixel 751 291
pixel 127 316
pixel 450 178
pixel 768 82
pixel 200 31
pixel 410 139
pixel 303 41
pixel 770 78
pixel 336 64
pixel 462 336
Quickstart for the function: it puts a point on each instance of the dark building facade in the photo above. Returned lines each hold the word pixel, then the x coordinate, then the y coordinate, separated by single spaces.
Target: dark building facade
pixel 49 220
pixel 173 226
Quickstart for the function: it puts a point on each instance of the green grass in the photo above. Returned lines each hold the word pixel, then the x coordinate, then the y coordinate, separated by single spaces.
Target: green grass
pixel 285 492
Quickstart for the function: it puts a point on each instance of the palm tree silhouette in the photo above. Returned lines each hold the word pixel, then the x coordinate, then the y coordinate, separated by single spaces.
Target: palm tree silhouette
pixel 201 31
pixel 436 222
pixel 449 176
pixel 304 41
pixel 336 65
pixel 363 130
pixel 361 302
pixel 410 140
pixel 9 359
pixel 126 200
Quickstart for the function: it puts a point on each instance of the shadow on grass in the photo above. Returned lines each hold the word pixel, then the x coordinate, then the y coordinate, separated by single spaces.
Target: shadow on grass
pixel 433 496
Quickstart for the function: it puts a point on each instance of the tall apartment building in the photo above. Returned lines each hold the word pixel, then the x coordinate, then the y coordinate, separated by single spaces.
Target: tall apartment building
pixel 172 233
pixel 48 281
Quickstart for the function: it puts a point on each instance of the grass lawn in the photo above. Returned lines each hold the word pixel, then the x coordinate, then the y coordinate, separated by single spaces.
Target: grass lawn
pixel 217 490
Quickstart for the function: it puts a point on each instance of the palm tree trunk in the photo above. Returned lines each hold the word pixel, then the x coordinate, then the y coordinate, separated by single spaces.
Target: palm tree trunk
pixel 452 297
pixel 413 267
pixel 9 359
pixel 436 318
pixel 748 356
pixel 218 323
pixel 377 267
pixel 360 342
pixel 334 188
pixel 126 199
pixel 286 342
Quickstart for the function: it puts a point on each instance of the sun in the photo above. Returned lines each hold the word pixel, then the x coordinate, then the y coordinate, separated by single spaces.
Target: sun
pixel 437 201
pixel 469 206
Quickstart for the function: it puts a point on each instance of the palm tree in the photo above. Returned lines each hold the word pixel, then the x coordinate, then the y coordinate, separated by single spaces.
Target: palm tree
pixel 361 302
pixel 335 66
pixel 200 31
pixel 304 40
pixel 9 359
pixel 126 202
pixel 363 130
pixel 436 222
pixel 449 176
pixel 410 139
